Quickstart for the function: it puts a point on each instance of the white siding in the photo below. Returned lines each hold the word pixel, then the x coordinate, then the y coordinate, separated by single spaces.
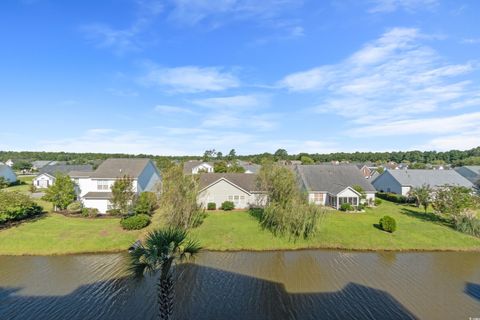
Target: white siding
pixel 100 204
pixel 387 183
pixel 204 167
pixel 43 181
pixel 222 190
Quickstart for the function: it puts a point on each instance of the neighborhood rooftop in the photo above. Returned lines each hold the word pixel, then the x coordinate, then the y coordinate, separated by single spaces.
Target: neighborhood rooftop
pixel 117 168
pixel 247 182
pixel 434 178
pixel 331 178
pixel 66 168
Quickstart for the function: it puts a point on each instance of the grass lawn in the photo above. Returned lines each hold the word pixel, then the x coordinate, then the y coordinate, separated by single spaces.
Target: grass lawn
pixel 415 231
pixel 57 234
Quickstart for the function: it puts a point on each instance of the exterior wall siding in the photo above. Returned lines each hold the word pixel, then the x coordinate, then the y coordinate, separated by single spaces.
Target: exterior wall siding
pixel 220 192
pixel 100 204
pixel 387 183
pixel 43 181
pixel 149 178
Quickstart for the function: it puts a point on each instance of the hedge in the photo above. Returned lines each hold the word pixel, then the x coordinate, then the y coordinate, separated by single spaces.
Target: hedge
pixel 16 206
pixel 135 222
pixel 228 205
pixel 393 197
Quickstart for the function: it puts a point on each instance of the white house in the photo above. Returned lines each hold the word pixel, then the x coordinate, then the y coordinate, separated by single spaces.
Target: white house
pixel 46 176
pixel 94 188
pixel 402 181
pixel 7 173
pixel 195 167
pixel 9 163
pixel 240 188
pixel 333 185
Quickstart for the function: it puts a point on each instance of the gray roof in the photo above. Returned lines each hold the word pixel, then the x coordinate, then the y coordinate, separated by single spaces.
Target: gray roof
pixel 434 178
pixel 41 163
pixel 189 165
pixel 98 195
pixel 80 174
pixel 332 179
pixel 65 168
pixel 118 168
pixel 245 181
pixel 249 166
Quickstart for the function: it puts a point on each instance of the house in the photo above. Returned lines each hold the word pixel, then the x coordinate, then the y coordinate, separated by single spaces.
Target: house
pixel 333 185
pixel 249 167
pixel 402 181
pixel 195 167
pixel 9 163
pixel 94 188
pixel 7 173
pixel 367 170
pixel 471 173
pixel 240 188
pixel 46 176
pixel 37 165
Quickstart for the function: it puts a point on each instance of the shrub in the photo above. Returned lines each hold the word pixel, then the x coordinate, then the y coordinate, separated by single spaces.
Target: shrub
pixel 90 212
pixel 74 207
pixel 378 202
pixel 388 224
pixel 16 206
pixel 346 207
pixel 114 212
pixel 85 212
pixel 228 206
pixel 147 203
pixel 398 198
pixel 135 222
pixel 212 206
pixel 468 224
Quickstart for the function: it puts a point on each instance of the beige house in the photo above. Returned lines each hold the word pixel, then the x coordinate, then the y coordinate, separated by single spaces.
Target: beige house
pixel 240 188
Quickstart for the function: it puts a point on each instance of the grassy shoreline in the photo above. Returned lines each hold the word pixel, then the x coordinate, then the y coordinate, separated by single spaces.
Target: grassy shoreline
pixel 56 234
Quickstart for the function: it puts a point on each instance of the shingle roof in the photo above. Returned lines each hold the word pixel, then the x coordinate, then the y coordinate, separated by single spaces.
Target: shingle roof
pixel 434 178
pixel 40 163
pixel 117 168
pixel 332 179
pixel 189 165
pixel 245 181
pixel 80 174
pixel 65 168
pixel 98 195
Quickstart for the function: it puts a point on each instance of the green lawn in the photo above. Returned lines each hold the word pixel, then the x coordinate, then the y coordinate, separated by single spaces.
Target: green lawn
pixel 416 231
pixel 24 188
pixel 57 234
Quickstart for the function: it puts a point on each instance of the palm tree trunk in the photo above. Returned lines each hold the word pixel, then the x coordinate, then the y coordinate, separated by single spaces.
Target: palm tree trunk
pixel 166 296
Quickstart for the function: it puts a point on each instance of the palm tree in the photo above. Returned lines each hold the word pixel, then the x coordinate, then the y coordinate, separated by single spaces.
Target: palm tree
pixel 160 251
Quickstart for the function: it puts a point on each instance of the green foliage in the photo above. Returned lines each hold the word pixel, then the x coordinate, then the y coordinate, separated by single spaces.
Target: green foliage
pixel 307 160
pixel 220 167
pixel 179 199
pixel 75 207
pixel 135 222
pixel 422 195
pixel 388 224
pixel 281 154
pixel 454 200
pixel 232 155
pixel 147 203
pixel 227 206
pixel 380 170
pixel 209 155
pixel 346 207
pixel 115 212
pixel 470 161
pixel 397 198
pixel 22 165
pixel 90 212
pixel 287 211
pixel 378 202
pixel 211 206
pixel 123 196
pixel 62 192
pixel 4 183
pixel 16 206
pixel 417 165
pixel 469 224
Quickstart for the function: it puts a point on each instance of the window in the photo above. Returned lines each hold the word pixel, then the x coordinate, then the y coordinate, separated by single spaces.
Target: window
pixel 102 185
pixel 318 197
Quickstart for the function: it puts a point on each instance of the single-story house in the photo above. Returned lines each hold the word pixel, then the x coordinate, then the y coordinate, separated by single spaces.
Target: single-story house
pixel 46 176
pixel 402 181
pixel 195 167
pixel 240 188
pixel 7 173
pixel 94 188
pixel 472 173
pixel 333 185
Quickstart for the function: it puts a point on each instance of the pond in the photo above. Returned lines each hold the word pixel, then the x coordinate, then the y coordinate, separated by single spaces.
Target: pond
pixel 310 284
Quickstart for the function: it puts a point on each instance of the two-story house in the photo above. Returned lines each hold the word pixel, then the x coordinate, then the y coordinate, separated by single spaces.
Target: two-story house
pixel 94 188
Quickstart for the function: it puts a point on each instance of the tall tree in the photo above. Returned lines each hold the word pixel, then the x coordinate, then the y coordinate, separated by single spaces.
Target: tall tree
pixel 208 155
pixel 281 154
pixel 159 253
pixel 179 199
pixel 123 196
pixel 232 155
pixel 423 196
pixel 61 193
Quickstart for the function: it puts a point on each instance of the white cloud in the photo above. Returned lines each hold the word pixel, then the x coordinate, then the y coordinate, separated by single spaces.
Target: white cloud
pixel 463 141
pixel 189 79
pixel 470 40
pixel 382 6
pixel 173 110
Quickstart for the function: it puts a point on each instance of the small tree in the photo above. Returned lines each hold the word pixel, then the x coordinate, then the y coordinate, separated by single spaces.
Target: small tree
pixel 232 155
pixel 220 167
pixel 61 193
pixel 422 195
pixel 281 154
pixel 307 160
pixel 454 201
pixel 22 165
pixel 147 203
pixel 123 196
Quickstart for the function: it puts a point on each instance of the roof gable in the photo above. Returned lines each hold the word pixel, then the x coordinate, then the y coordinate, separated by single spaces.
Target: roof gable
pixel 118 168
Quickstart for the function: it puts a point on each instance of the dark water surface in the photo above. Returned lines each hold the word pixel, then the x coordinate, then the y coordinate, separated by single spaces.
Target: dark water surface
pixel 272 285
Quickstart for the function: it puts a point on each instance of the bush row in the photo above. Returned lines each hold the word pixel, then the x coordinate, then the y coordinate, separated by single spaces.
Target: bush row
pixel 393 197
pixel 16 206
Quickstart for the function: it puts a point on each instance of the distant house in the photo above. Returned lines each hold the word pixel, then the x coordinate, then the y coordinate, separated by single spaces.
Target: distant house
pixel 249 166
pixel 7 173
pixel 333 185
pixel 402 181
pixel 9 163
pixel 367 170
pixel 240 188
pixel 472 173
pixel 195 167
pixel 37 165
pixel 94 188
pixel 46 175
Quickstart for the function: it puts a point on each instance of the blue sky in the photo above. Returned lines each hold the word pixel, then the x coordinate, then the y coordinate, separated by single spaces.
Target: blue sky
pixel 178 77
